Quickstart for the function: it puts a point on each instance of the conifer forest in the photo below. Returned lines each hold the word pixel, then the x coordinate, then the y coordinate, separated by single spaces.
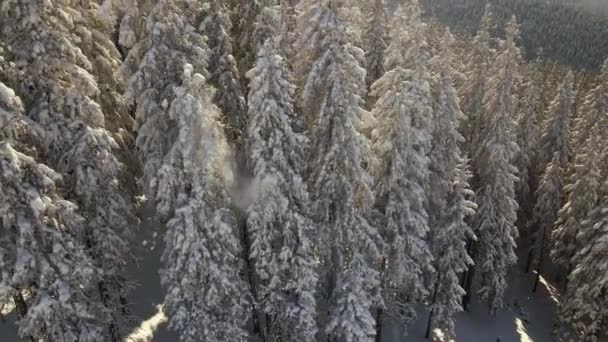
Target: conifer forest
pixel 303 171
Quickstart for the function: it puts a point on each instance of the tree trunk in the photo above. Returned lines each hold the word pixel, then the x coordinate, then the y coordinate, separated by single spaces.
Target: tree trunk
pixel 255 319
pixel 541 259
pixel 429 323
pixel 104 293
pixel 21 309
pixel 468 277
pixel 379 321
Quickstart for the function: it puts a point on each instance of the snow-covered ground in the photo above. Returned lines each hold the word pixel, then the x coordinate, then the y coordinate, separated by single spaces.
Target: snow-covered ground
pixel 529 317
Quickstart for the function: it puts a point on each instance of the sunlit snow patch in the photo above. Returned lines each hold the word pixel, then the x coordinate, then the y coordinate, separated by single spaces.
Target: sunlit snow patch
pixel 522 331
pixel 145 331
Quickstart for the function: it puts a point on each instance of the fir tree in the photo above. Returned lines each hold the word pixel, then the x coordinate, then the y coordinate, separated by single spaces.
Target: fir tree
pixel 338 184
pixel 582 312
pixel 546 210
pixel 41 253
pixel 206 297
pixel 402 142
pixel 448 198
pixel 495 220
pixel 556 133
pixel 222 67
pixel 474 88
pixel 60 92
pixel 281 230
pixel 582 196
pixel 375 34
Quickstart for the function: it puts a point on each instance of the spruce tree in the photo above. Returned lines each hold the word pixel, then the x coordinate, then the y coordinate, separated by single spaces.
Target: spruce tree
pixel 556 133
pixel 582 311
pixel 222 67
pixel 494 222
pixel 582 196
pixel 338 182
pixel 479 61
pixel 282 232
pixel 60 93
pixel 42 253
pixel 449 202
pixel 549 201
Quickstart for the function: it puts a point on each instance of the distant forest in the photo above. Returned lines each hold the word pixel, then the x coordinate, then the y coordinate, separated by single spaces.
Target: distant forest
pixel 562 32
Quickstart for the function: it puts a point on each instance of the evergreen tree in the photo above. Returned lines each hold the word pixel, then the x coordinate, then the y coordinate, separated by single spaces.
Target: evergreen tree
pixel 338 183
pixel 59 91
pixel 206 297
pixel 546 210
pixel 556 133
pixel 593 112
pixel 495 220
pixel 448 198
pixel 154 67
pixel 222 67
pixel 40 249
pixel 281 230
pixel 474 88
pixel 375 34
pixel 528 134
pixel 582 311
pixel 402 142
pixel 582 196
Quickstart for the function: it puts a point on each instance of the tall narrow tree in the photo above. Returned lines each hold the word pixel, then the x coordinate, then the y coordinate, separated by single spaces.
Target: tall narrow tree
pixel 206 297
pixel 495 220
pixel 402 143
pixel 282 232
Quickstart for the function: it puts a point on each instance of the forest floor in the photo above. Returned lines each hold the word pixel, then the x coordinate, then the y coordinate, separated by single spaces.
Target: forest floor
pixel 527 317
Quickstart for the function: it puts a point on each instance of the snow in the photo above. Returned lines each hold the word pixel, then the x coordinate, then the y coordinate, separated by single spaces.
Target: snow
pixel 527 317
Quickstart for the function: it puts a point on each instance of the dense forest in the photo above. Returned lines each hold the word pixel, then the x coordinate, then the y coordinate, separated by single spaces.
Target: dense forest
pixel 322 168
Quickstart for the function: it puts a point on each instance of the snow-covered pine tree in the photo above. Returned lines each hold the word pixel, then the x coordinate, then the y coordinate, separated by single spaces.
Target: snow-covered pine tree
pixel 402 143
pixel 473 90
pixel 55 81
pixel 528 134
pixel 280 228
pixel 375 36
pixel 582 311
pixel 206 297
pixel 154 67
pixel 494 222
pixel 449 197
pixel 556 132
pixel 338 181
pixel 222 67
pixel 593 112
pixel 582 196
pixel 549 201
pixel 41 253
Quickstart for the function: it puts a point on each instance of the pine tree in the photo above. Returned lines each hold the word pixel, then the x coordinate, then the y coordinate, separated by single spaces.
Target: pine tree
pixel 546 210
pixel 593 112
pixel 495 220
pixel 60 92
pixel 281 230
pixel 582 196
pixel 448 199
pixel 556 133
pixel 338 183
pixel 402 142
pixel 528 134
pixel 154 67
pixel 375 34
pixel 473 90
pixel 41 253
pixel 222 67
pixel 206 297
pixel 582 311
